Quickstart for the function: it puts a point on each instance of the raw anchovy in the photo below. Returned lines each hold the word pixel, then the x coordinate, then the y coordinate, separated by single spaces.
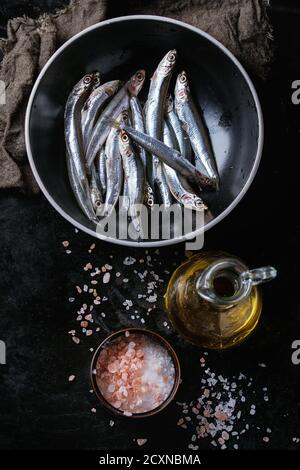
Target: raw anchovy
pixel 96 195
pixel 138 122
pixel 194 126
pixel 134 179
pixel 80 192
pixel 119 103
pixel 96 84
pixel 180 188
pixel 93 106
pixel 163 187
pixel 175 124
pixel 148 195
pixel 125 200
pixel 73 138
pixel 102 169
pixel 154 113
pixel 114 170
pixel 169 156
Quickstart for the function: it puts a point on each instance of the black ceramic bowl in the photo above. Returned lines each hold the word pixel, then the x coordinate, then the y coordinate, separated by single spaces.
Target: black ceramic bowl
pixel 117 48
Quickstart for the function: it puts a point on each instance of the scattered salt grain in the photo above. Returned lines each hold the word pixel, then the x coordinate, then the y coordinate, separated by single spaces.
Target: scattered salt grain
pixel 71 378
pixel 106 278
pixel 129 261
pixel 87 267
pixel 66 243
pixel 141 442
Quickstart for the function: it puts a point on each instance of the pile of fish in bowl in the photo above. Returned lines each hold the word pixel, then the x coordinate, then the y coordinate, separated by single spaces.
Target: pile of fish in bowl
pixel 122 153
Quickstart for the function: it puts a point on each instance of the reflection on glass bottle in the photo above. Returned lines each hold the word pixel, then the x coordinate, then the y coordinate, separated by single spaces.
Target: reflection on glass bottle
pixel 214 300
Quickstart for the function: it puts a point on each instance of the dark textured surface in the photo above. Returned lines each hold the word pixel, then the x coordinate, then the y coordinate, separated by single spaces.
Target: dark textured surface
pixel 39 408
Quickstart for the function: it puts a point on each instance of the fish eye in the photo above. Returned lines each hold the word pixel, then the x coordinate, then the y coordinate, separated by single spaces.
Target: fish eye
pixel 125 138
pixel 171 57
pixel 98 203
pixel 124 116
pixel 87 79
pixel 139 76
pixel 183 78
pixel 96 79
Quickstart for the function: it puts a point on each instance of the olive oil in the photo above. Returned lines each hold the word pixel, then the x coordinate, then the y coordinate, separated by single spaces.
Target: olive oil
pixel 214 301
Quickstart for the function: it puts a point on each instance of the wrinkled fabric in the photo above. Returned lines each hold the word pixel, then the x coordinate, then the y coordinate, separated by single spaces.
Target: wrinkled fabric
pixel 241 25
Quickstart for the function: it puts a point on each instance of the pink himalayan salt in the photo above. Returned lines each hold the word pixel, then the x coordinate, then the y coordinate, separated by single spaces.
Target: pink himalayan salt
pixel 135 373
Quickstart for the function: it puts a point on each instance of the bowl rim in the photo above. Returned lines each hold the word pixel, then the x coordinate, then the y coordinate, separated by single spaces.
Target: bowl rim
pixel 160 339
pixel 159 243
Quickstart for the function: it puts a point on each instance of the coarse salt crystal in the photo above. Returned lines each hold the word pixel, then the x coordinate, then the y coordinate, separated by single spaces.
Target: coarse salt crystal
pixel 141 442
pixel 129 261
pixel 106 278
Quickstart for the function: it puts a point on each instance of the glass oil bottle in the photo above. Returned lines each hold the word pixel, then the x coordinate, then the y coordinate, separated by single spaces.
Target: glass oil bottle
pixel 214 300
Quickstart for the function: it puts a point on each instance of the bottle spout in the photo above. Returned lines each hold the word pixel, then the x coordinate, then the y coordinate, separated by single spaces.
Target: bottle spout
pixel 235 274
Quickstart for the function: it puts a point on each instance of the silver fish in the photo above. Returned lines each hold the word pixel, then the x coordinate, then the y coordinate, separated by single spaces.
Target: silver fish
pixel 96 84
pixel 148 195
pixel 80 192
pixel 114 169
pixel 119 103
pixel 96 195
pixel 102 169
pixel 93 106
pixel 175 124
pixel 74 145
pixel 138 122
pixel 169 156
pixel 179 187
pixel 154 112
pixel 195 128
pixel 134 179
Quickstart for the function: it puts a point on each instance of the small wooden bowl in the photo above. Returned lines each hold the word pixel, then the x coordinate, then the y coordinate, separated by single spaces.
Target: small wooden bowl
pixel 164 343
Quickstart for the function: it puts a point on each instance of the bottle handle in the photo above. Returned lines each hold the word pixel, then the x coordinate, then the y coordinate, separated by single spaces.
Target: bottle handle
pixel 259 275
